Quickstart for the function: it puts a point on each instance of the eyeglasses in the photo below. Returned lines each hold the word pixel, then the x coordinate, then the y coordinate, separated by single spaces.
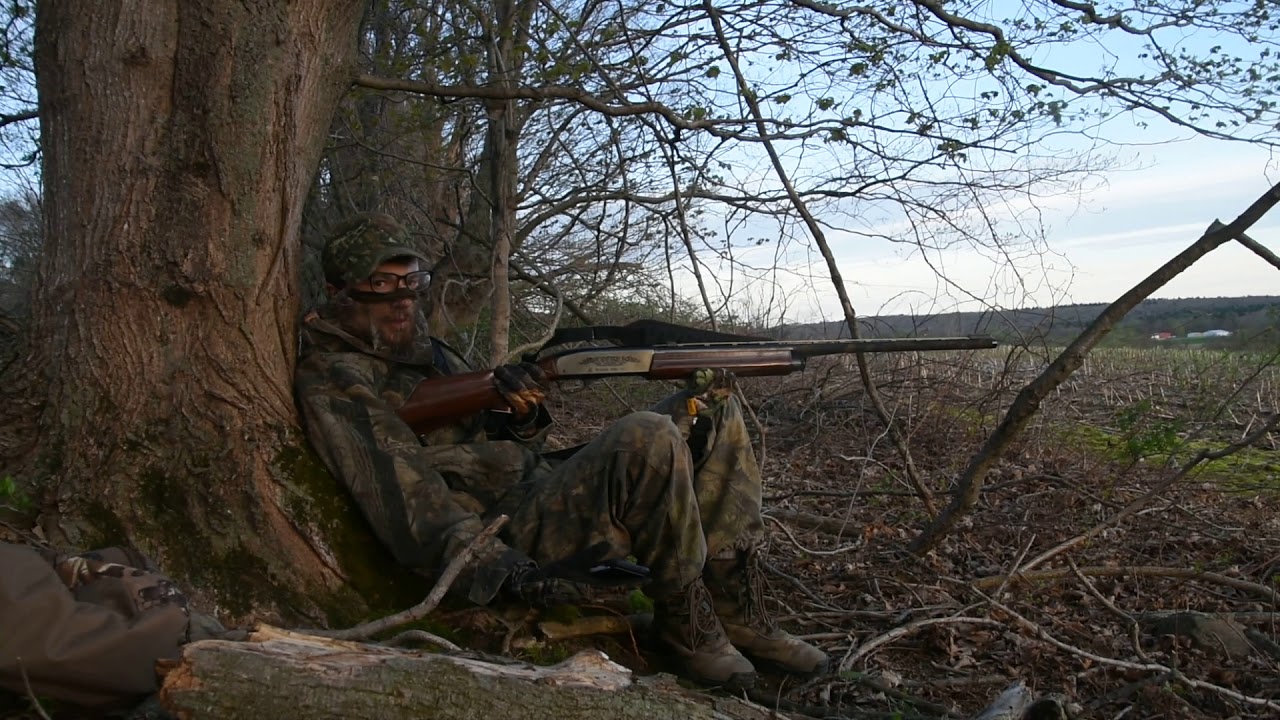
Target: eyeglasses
pixel 385 282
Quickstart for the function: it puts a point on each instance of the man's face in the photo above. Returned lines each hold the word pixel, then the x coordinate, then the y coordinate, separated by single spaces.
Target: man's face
pixel 387 323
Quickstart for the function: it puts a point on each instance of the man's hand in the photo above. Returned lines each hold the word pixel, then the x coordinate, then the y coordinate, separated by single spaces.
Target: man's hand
pixel 531 584
pixel 573 580
pixel 711 386
pixel 524 387
pixel 705 391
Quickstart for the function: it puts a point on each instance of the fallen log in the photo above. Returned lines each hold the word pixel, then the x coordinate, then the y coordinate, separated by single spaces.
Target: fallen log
pixel 278 673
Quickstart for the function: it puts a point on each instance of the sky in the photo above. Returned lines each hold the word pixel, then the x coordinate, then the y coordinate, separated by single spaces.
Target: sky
pixel 1098 243
pixel 1158 197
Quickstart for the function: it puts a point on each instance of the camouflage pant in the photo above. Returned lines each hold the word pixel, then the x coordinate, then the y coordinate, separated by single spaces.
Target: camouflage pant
pixel 639 488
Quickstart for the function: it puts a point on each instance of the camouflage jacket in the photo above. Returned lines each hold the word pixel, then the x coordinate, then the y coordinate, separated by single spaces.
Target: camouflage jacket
pixel 86 629
pixel 426 497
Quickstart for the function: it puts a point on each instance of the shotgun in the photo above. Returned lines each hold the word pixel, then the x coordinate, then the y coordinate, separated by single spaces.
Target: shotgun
pixel 649 349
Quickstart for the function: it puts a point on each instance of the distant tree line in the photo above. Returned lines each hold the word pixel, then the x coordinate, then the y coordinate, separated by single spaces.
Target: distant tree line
pixel 1253 321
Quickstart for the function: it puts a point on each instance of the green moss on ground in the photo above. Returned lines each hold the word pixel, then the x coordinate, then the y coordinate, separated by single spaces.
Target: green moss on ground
pixel 1249 468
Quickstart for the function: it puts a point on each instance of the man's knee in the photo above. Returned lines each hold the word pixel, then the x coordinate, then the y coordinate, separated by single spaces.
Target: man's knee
pixel 646 429
pixel 660 467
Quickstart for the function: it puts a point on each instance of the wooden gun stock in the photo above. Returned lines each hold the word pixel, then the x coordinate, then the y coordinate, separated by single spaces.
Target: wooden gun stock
pixel 436 402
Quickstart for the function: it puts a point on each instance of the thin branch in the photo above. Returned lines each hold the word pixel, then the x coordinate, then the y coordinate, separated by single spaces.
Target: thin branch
pixel 819 237
pixel 1084 580
pixel 409 636
pixel 546 92
pixel 1139 571
pixel 1258 248
pixel 1027 403
pixel 1044 636
pixel 422 609
pixel 31 694
pixel 514 355
pixel 1016 562
pixel 31 114
pixel 808 551
pixel 866 648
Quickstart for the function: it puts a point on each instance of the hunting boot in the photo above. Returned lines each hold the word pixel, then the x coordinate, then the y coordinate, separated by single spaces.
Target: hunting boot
pixel 738 586
pixel 686 621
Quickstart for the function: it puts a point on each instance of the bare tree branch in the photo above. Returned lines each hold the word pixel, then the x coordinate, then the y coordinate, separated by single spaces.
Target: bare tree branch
pixel 1025 405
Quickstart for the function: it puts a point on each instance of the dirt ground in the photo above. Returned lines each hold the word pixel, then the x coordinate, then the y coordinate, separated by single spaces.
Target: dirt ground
pixel 1037 584
pixel 1171 612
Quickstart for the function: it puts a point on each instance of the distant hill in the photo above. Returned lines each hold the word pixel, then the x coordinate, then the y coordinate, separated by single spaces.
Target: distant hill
pixel 1251 320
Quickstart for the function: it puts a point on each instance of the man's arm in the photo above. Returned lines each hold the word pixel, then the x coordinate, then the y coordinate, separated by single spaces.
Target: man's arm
pixel 522 384
pixel 396 481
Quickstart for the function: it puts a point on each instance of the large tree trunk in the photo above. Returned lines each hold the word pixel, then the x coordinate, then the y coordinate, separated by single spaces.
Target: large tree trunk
pixel 179 141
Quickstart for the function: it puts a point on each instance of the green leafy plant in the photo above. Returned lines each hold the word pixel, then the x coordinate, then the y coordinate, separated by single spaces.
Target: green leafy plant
pixel 1145 436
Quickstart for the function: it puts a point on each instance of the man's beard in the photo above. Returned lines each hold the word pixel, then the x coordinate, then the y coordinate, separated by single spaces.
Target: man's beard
pixel 399 341
pixel 359 320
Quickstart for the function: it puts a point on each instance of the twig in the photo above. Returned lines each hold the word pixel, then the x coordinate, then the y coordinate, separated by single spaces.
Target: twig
pixel 957 682
pixel 422 609
pixel 1017 561
pixel 1138 570
pixel 866 648
pixel 760 428
pixel 809 551
pixel 31 694
pixel 421 636
pixel 748 96
pixel 1044 636
pixel 814 597
pixel 809 521
pixel 1258 248
pixel 515 355
pixel 1098 596
pixel 842 494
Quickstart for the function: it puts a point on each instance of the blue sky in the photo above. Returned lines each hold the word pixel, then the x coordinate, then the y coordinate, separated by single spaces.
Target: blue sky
pixel 1097 244
pixel 1160 189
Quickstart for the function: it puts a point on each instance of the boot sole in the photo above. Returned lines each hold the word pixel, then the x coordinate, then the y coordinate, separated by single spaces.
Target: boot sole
pixel 777 667
pixel 737 682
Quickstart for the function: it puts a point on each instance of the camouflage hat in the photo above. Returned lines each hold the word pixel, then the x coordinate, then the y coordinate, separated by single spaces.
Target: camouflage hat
pixel 359 244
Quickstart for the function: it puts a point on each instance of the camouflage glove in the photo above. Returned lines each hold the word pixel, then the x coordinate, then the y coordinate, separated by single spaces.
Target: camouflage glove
pixel 707 389
pixel 711 386
pixel 573 580
pixel 523 386
pixel 531 584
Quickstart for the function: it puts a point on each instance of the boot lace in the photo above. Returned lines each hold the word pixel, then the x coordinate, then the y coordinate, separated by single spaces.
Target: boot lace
pixel 703 623
pixel 754 592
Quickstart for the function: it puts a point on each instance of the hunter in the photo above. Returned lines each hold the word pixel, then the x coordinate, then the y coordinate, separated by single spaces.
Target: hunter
pixel 680 493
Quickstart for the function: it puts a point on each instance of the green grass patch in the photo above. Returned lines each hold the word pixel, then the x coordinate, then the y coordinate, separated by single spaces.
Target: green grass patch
pixel 1160 443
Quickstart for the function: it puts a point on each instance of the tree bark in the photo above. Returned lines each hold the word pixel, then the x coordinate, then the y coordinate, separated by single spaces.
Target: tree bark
pixel 179 141
pixel 283 674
